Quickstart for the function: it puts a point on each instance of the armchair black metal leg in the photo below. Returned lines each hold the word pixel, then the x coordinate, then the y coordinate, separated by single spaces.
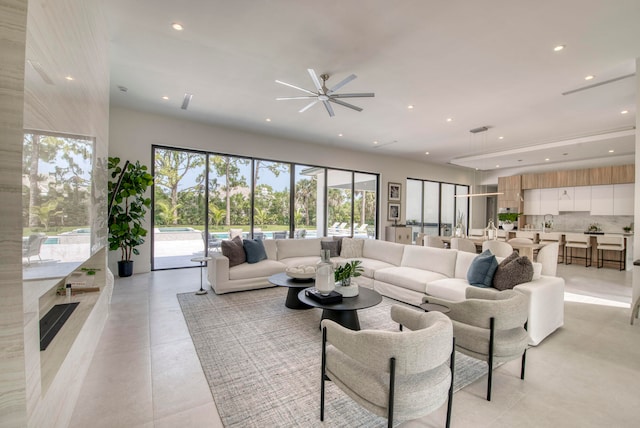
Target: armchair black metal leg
pixel 324 368
pixel 392 381
pixel 490 360
pixel 452 365
pixel 524 359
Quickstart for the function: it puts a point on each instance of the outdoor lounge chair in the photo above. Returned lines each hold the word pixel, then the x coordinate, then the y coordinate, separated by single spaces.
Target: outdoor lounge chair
pixel 32 245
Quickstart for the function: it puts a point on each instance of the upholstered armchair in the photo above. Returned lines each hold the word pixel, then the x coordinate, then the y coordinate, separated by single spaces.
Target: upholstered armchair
pixel 489 325
pixel 463 245
pixel 498 248
pixel 403 375
pixel 548 258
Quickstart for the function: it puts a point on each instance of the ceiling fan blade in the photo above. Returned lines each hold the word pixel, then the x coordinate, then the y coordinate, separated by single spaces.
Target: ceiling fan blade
pixel 342 103
pixel 296 87
pixel 296 98
pixel 342 83
pixel 305 108
pixel 329 108
pixel 357 95
pixel 316 82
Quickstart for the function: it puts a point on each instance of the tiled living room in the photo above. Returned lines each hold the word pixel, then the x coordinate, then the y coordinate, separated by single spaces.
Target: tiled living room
pixel 461 97
pixel 147 372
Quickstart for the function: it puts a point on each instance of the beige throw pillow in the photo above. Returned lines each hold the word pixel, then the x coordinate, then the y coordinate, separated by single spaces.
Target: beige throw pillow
pixel 351 248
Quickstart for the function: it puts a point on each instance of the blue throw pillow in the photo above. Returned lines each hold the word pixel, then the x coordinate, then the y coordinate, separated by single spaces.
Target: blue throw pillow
pixel 482 268
pixel 254 248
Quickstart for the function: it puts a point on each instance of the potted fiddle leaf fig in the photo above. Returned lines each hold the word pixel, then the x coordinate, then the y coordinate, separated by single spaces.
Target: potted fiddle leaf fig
pixel 127 208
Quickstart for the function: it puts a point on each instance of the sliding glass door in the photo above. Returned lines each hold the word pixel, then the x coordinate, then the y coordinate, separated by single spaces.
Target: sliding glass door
pixel 178 208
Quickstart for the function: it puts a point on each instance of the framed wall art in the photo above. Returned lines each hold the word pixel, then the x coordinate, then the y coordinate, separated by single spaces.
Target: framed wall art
pixel 395 191
pixel 393 211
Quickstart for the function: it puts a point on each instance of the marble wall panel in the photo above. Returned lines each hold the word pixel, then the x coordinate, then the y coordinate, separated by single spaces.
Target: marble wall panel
pixel 13 19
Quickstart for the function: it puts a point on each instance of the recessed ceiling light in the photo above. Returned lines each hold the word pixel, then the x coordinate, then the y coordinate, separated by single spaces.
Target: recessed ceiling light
pixel 177 27
pixel 500 138
pixel 165 97
pixel 339 135
pixel 426 153
pixel 69 78
pixel 624 112
pixel 449 119
pixel 589 77
pixel 611 151
pixel 375 143
pixel 546 159
pixel 497 166
pixel 410 107
pixel 558 48
pixel 267 119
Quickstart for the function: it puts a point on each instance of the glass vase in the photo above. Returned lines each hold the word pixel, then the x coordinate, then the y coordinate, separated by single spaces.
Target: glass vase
pixel 325 282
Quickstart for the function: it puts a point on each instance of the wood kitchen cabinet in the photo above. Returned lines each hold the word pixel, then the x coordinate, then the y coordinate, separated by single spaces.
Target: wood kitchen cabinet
pixel 510 190
pixel 600 176
pixel 621 174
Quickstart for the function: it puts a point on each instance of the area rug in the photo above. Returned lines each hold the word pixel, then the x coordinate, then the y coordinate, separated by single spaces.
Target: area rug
pixel 262 360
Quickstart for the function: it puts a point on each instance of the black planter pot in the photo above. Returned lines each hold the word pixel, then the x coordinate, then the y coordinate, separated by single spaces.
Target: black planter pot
pixel 125 268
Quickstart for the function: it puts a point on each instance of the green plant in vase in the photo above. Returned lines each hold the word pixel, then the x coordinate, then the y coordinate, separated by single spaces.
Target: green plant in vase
pixel 344 273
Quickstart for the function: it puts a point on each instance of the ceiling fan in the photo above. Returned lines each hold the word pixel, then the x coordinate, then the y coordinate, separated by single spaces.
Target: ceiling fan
pixel 325 95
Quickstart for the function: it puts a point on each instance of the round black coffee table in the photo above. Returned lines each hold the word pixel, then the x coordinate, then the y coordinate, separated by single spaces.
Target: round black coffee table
pixel 434 307
pixel 345 312
pixel 283 280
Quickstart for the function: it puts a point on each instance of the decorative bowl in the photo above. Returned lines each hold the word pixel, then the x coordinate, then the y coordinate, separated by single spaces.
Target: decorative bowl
pixel 301 272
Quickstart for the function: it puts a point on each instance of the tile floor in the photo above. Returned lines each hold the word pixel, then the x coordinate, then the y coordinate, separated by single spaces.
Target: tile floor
pixel 146 373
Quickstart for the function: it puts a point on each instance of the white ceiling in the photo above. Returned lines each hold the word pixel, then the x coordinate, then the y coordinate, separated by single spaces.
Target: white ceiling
pixel 486 63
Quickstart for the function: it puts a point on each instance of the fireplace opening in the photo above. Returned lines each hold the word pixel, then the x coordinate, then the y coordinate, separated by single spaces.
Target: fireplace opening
pixel 53 321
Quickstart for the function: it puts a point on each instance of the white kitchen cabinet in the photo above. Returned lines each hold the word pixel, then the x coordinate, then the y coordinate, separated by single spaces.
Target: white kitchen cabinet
pixel 566 198
pixel 623 199
pixel 582 201
pixel 602 200
pixel 549 201
pixel 532 202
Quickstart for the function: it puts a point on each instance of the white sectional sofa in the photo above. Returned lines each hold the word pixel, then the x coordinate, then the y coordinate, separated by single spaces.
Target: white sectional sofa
pixel 403 272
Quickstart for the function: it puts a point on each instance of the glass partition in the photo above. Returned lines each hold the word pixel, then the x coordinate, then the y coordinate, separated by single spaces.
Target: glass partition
pixel 58 201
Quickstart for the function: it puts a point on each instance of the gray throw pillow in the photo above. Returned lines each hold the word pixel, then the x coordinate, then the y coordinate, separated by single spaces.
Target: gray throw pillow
pixel 512 271
pixel 254 248
pixel 482 268
pixel 332 246
pixel 234 251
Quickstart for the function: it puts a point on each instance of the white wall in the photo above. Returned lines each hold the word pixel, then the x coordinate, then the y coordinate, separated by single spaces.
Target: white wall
pixel 132 133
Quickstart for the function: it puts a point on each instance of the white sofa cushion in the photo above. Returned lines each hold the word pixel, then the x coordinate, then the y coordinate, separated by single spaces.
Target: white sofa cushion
pixel 407 277
pixel 463 261
pixel 453 289
pixel 390 252
pixel 271 248
pixel 300 261
pixel 437 260
pixel 298 247
pixel 264 268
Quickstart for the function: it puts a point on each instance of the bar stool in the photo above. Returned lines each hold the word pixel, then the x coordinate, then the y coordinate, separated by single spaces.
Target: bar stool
pixel 611 243
pixel 551 237
pixel 580 241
